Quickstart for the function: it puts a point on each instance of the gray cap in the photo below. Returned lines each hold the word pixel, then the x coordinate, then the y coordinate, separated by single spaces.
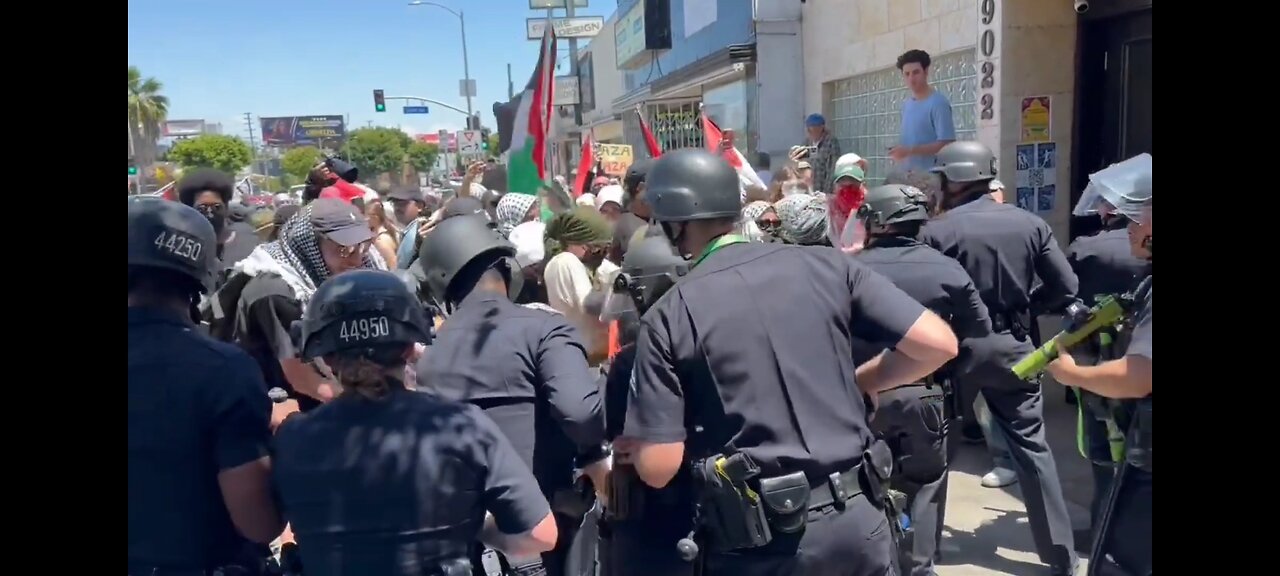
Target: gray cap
pixel 340 221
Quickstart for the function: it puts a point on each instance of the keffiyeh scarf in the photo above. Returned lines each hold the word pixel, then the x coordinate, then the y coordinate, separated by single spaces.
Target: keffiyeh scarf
pixel 511 211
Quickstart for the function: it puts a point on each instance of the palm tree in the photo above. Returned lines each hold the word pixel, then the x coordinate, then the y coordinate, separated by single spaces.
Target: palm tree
pixel 148 110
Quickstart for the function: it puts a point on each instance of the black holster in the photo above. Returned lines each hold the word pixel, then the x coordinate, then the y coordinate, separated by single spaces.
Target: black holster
pixel 574 501
pixel 731 514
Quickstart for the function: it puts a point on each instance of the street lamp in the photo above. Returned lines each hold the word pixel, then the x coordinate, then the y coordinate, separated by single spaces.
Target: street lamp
pixel 466 67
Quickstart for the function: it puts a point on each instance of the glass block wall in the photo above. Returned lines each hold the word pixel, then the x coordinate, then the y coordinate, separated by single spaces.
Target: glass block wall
pixel 865 111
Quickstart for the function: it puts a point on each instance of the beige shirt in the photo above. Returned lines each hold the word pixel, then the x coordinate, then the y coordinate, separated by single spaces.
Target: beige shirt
pixel 568 284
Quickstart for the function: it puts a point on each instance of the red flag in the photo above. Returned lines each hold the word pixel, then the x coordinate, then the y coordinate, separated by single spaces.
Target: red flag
pixel 649 141
pixel 585 164
pixel 712 134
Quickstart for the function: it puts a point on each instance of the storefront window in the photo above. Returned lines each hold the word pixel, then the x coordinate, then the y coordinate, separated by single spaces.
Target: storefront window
pixel 865 112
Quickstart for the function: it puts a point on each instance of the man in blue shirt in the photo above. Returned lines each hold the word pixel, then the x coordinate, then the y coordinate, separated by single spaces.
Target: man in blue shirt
pixel 926 117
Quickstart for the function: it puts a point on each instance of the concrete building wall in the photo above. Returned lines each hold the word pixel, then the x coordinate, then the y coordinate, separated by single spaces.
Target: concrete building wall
pixel 851 47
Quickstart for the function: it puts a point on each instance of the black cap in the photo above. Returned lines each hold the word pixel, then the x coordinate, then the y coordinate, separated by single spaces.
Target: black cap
pixel 339 221
pixel 636 174
pixel 405 193
pixel 461 206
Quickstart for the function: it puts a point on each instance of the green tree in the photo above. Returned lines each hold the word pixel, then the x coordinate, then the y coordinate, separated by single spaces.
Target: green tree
pixel 493 145
pixel 148 110
pixel 297 162
pixel 422 156
pixel 377 150
pixel 225 153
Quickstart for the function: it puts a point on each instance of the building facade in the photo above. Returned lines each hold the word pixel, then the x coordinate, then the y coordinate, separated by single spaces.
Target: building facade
pixel 732 58
pixel 1057 88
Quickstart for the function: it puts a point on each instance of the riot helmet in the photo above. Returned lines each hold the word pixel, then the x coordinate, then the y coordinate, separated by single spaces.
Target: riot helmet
pixel 1123 188
pixel 650 268
pixel 362 309
pixel 893 204
pixel 965 161
pixel 172 236
pixel 461 242
pixel 692 184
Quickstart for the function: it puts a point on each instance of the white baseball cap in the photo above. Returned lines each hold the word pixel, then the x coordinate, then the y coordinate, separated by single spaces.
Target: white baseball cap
pixel 610 193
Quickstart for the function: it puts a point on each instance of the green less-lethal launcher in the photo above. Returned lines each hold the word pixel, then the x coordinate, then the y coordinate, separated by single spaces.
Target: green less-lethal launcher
pixel 1108 312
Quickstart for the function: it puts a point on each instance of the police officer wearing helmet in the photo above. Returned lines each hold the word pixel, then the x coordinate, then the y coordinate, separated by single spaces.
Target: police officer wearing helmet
pixel 199 416
pixel 913 419
pixel 525 368
pixel 1005 249
pixel 1106 266
pixel 382 480
pixel 642 526
pixel 762 404
pixel 1122 538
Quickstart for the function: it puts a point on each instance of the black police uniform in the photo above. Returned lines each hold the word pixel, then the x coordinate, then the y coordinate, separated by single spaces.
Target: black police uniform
pixel 1125 538
pixel 525 368
pixel 912 419
pixel 776 383
pixel 1105 266
pixel 196 407
pixel 1005 250
pixel 642 526
pixel 398 485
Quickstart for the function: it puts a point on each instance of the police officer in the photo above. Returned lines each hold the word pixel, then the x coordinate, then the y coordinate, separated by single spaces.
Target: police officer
pixel 382 480
pixel 1005 249
pixel 199 416
pixel 642 526
pixel 1122 541
pixel 1105 266
pixel 525 367
pixel 766 396
pixel 913 419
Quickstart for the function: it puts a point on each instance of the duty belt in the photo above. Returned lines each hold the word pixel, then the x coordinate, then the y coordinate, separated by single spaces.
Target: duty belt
pixel 839 488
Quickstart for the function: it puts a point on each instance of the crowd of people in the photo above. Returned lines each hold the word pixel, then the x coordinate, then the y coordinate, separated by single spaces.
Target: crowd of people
pixel 671 372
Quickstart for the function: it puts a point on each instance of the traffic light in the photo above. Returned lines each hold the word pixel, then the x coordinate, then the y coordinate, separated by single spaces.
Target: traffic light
pixel 133 167
pixel 484 139
pixel 379 101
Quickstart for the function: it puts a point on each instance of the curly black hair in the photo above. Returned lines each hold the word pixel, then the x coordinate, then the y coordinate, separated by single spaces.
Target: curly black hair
pixel 915 57
pixel 194 182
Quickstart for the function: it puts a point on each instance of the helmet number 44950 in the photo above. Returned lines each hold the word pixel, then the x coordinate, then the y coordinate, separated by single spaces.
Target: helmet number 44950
pixel 179 245
pixel 364 329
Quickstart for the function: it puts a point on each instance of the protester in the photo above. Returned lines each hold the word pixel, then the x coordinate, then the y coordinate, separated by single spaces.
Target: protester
pixel 609 202
pixel 803 221
pixel 577 242
pixel 515 209
pixel 326 238
pixel 386 237
pixel 208 191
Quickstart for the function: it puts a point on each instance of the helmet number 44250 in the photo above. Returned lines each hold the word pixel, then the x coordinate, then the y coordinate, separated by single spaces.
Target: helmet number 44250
pixel 179 245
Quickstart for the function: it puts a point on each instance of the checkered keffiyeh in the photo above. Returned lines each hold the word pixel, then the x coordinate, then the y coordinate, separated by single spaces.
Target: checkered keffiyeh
pixel 803 218
pixel 512 208
pixel 753 211
pixel 298 253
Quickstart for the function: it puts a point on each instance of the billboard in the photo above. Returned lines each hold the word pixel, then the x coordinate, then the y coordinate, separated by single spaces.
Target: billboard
pixel 288 131
pixel 182 128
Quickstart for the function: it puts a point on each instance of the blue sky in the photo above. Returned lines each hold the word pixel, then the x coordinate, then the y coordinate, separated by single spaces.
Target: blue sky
pixel 221 58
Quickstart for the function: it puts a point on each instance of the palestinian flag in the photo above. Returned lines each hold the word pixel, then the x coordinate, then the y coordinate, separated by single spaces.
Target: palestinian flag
pixel 527 162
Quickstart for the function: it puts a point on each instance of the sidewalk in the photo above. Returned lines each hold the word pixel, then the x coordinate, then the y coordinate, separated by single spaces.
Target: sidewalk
pixel 986 528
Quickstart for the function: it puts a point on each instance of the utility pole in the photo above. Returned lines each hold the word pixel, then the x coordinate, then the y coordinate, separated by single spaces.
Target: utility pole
pixel 511 88
pixel 573 64
pixel 253 143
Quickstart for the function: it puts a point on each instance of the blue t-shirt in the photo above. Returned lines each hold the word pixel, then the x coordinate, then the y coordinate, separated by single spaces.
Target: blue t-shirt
pixel 925 122
pixel 404 254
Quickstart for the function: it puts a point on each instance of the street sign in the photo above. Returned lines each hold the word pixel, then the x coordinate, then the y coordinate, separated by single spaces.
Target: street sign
pixel 584 27
pixel 470 143
pixel 467 88
pixel 550 4
pixel 416 110
pixel 566 93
